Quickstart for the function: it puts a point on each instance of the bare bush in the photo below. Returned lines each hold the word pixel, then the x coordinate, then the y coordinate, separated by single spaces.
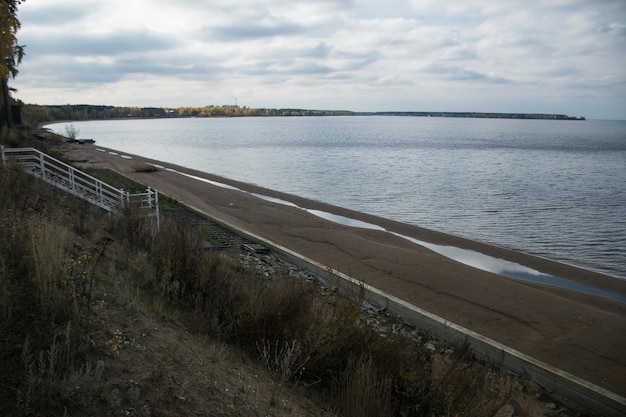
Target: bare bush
pixel 179 255
pixel 285 360
pixel 138 166
pixel 130 224
pixel 71 132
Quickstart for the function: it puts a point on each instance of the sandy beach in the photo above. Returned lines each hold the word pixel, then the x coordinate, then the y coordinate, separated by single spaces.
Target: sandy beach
pixel 579 333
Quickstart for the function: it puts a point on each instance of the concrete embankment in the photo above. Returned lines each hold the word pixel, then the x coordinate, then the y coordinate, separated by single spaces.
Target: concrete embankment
pixel 554 380
pixel 571 331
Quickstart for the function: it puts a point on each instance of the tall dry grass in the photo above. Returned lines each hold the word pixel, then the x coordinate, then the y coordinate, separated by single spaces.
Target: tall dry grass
pixel 45 295
pixel 364 389
pixel 47 256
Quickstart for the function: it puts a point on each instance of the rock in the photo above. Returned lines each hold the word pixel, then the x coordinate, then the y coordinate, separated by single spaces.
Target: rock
pixel 505 411
pixel 517 409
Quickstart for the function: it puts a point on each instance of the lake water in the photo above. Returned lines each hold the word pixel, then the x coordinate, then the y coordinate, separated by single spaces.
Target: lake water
pixel 551 188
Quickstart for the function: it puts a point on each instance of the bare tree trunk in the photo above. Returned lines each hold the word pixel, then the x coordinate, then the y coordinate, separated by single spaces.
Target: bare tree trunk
pixel 7 102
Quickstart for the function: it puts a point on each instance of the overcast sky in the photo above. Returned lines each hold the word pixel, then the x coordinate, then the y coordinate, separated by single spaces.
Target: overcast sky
pixel 544 56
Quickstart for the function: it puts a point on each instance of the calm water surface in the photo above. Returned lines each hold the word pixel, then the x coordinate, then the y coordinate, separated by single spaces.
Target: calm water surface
pixel 552 188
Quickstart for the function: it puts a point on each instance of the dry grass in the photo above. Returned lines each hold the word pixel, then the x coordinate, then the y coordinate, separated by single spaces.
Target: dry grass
pixel 8 137
pixel 138 166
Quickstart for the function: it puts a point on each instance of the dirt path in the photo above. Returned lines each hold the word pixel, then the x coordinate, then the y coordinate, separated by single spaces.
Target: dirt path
pixel 581 334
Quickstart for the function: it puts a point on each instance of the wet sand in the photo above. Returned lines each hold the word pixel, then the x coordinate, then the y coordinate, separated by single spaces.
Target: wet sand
pixel 582 334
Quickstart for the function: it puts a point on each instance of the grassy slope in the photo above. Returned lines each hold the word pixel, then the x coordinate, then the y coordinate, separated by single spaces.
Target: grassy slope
pixel 151 363
pixel 98 317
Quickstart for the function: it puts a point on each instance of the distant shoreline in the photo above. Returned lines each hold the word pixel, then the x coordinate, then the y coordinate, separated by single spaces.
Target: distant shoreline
pixel 82 112
pixel 480 115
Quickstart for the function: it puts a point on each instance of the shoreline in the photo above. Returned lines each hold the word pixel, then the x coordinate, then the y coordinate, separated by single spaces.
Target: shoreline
pixel 580 274
pixel 469 257
pixel 496 208
pixel 576 332
pixel 543 264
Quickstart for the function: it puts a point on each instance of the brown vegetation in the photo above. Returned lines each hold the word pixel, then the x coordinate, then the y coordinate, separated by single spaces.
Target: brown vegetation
pixel 143 167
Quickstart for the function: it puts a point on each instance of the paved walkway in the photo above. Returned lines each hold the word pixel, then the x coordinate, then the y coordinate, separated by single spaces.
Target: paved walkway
pixel 581 334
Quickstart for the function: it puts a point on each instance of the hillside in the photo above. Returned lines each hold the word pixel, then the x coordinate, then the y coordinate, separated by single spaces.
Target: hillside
pixel 101 315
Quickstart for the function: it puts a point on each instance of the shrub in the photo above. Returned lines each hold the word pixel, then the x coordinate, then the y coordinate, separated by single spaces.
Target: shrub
pixel 143 167
pixel 71 132
pixel 178 254
pixel 9 137
pixel 132 225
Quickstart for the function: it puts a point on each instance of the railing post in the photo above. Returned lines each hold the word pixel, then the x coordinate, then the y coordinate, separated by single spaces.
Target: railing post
pixel 99 191
pixel 156 203
pixel 42 165
pixel 70 173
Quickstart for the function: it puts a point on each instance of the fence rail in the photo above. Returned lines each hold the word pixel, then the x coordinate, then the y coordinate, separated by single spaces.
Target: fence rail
pixel 77 182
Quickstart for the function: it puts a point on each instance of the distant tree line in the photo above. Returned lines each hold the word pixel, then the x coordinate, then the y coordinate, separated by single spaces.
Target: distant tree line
pixel 543 116
pixel 34 114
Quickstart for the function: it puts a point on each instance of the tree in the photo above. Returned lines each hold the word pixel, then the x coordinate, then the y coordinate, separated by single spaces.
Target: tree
pixel 11 53
pixel 71 132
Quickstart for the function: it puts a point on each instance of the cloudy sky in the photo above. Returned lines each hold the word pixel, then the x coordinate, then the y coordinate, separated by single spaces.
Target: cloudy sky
pixel 544 56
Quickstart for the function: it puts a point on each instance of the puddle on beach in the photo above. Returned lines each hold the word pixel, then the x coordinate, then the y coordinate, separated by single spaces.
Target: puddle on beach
pixel 215 183
pixel 511 269
pixel 274 200
pixel 346 221
pixel 481 261
pixel 465 256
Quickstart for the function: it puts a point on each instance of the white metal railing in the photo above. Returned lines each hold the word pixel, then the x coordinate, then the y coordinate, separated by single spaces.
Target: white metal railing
pixel 148 200
pixel 77 182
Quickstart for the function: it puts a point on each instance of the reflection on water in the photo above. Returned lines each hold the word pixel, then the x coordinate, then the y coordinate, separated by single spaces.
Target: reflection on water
pixel 274 200
pixel 465 256
pixel 511 269
pixel 217 184
pixel 346 221
pixel 480 260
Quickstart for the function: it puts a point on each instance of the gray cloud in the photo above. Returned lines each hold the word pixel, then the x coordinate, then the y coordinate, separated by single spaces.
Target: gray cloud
pixel 59 72
pixel 55 15
pixel 251 31
pixel 458 73
pixel 90 44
